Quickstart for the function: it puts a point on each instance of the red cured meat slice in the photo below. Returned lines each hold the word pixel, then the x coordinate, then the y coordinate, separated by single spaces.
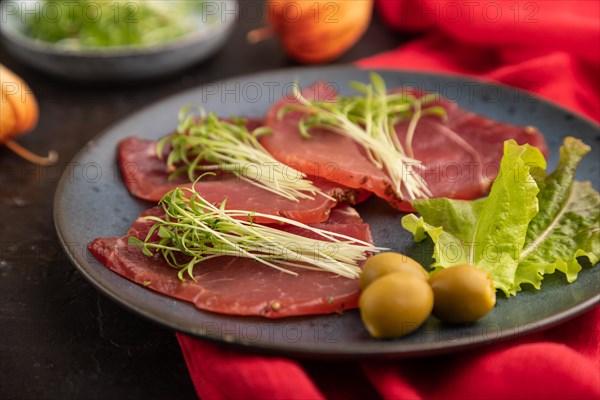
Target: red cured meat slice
pixel 488 135
pixel 457 155
pixel 146 177
pixel 239 286
pixel 481 132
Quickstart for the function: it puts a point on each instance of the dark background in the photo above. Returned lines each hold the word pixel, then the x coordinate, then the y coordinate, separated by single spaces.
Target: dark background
pixel 59 337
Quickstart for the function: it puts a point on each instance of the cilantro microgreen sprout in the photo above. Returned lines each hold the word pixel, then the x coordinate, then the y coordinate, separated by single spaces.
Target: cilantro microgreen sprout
pixel 369 119
pixel 205 143
pixel 193 230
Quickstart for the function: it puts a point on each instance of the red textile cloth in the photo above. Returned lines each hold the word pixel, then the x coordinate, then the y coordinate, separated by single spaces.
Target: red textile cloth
pixel 548 47
pixel 551 48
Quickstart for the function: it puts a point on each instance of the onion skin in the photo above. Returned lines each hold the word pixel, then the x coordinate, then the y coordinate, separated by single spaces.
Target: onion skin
pixel 19 106
pixel 8 120
pixel 318 31
pixel 19 114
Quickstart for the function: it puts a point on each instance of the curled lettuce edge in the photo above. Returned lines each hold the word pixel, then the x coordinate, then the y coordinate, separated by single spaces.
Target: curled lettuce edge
pixel 531 224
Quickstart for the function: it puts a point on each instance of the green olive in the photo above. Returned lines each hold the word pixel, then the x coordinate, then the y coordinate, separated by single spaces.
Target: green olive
pixel 463 293
pixel 395 305
pixel 387 263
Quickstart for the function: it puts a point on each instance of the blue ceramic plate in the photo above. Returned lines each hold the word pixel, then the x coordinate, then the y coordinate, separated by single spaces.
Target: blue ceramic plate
pixel 92 202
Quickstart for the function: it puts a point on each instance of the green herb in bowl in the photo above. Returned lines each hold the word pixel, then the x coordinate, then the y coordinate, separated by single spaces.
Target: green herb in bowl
pixel 110 41
pixel 99 24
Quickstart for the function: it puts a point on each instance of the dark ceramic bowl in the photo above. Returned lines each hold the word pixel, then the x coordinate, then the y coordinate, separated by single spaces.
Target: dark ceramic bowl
pixel 114 64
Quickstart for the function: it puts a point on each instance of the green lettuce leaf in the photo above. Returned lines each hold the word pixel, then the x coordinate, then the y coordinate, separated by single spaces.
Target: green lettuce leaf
pixel 530 225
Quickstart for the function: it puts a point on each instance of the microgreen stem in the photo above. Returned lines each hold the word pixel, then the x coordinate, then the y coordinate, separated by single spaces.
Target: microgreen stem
pixel 370 119
pixel 194 230
pixel 206 143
